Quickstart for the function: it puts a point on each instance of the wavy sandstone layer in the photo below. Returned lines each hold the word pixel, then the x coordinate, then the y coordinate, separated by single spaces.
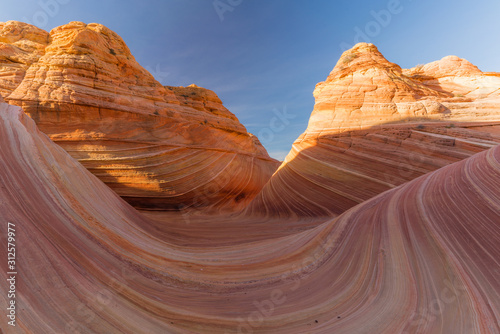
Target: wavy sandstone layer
pixel 158 147
pixel 422 258
pixel 376 126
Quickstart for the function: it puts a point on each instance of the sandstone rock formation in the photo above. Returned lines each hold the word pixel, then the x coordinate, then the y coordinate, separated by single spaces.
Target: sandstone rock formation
pixel 457 77
pixel 21 45
pixel 376 126
pixel 158 147
pixel 365 89
pixel 422 258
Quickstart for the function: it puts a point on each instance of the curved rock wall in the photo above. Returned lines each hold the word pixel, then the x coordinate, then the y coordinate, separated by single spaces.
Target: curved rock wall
pixel 419 258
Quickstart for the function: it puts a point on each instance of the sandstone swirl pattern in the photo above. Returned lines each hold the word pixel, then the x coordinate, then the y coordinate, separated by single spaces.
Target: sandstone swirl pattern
pixel 421 258
pixel 376 126
pixel 158 147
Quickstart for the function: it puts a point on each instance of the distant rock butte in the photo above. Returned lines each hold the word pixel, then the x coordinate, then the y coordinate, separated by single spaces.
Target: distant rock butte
pixel 158 147
pixel 376 126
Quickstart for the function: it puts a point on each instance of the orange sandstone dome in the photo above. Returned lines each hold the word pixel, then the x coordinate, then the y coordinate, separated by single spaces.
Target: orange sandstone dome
pixel 157 147
pixel 376 126
pixel 365 89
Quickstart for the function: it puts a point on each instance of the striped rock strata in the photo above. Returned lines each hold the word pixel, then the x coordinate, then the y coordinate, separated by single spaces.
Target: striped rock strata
pixel 421 258
pixel 158 147
pixel 376 126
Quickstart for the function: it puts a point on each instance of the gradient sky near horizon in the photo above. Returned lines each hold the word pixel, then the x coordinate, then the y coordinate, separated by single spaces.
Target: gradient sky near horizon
pixel 266 56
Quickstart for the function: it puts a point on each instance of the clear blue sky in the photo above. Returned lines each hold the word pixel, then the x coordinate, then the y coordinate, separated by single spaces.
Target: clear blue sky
pixel 267 55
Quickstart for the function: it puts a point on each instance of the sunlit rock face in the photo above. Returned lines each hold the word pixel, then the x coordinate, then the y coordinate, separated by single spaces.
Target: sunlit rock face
pixel 365 89
pixel 157 147
pixel 421 258
pixel 376 126
pixel 21 45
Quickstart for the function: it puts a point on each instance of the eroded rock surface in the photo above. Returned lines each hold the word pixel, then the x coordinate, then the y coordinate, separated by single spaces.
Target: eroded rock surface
pixel 158 147
pixel 419 258
pixel 376 126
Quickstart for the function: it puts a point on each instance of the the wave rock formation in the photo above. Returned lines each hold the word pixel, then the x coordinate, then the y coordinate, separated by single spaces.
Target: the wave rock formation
pixel 384 218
